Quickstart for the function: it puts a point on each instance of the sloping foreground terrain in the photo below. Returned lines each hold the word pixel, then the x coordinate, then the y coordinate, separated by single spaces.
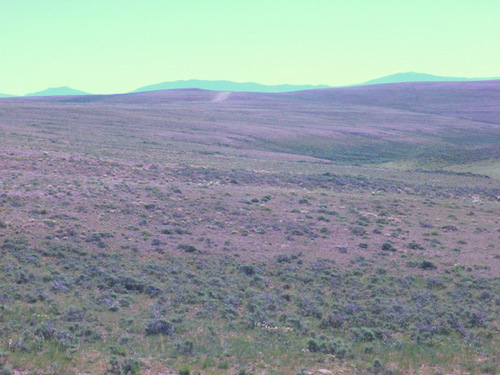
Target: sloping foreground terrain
pixel 188 231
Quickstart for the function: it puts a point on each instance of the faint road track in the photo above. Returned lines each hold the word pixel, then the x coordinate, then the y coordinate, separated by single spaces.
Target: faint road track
pixel 221 96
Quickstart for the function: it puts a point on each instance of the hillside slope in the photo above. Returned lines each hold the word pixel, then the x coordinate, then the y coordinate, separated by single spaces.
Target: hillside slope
pixel 425 124
pixel 216 233
pixel 478 100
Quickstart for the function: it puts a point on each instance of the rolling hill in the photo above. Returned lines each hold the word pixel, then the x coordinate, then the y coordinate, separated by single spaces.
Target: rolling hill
pixel 420 124
pixel 210 232
pixel 475 100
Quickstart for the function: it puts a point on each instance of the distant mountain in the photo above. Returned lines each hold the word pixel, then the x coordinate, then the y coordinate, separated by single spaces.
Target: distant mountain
pixel 418 77
pixel 58 91
pixel 5 95
pixel 227 86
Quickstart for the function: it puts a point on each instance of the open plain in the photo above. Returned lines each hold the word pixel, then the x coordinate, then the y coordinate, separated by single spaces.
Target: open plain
pixel 351 230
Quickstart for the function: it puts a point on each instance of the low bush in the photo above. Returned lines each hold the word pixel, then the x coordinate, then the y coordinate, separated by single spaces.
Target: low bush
pixel 159 326
pixel 427 265
pixel 388 246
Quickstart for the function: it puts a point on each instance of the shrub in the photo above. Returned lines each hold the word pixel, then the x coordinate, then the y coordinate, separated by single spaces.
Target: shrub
pixel 224 365
pixel 159 326
pixel 326 346
pixel 45 330
pixel 412 263
pixel 358 231
pixel 153 291
pixel 15 244
pixel 126 282
pixel 118 350
pixel 425 224
pixel 248 270
pixel 5 370
pixel 74 314
pixel 65 340
pixel 313 346
pixel 363 221
pixel 128 367
pixel 438 282
pixel 415 246
pixel 362 334
pixel 388 246
pixel 427 265
pixel 377 365
pixel 489 368
pixel 335 347
pixel 187 248
pixel 131 366
pixel 325 231
pixel 185 348
pixel 182 231
pixel 282 258
pixel 209 362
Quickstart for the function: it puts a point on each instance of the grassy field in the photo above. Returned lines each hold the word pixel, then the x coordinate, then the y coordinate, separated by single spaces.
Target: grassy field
pixel 163 233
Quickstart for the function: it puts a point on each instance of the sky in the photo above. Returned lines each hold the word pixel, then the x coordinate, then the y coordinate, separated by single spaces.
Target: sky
pixel 113 46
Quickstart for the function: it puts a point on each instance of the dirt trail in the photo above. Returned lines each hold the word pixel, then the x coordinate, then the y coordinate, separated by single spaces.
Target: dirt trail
pixel 221 96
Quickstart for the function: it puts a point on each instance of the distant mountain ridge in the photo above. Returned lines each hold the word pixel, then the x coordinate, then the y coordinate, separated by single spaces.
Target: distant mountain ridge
pixel 418 77
pixel 227 86
pixel 58 91
pixel 222 85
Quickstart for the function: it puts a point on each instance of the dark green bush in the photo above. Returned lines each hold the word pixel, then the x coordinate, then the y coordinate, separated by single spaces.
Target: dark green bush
pixel 131 366
pixel 187 248
pixel 388 246
pixel 327 346
pixel 427 265
pixel 159 326
pixel 127 367
pixel 377 365
pixel 185 348
pixel 358 231
pixel 248 270
pixel 415 246
pixel 362 334
pixel 313 346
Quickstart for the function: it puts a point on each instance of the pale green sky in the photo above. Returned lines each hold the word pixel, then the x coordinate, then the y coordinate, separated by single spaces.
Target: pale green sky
pixel 109 46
